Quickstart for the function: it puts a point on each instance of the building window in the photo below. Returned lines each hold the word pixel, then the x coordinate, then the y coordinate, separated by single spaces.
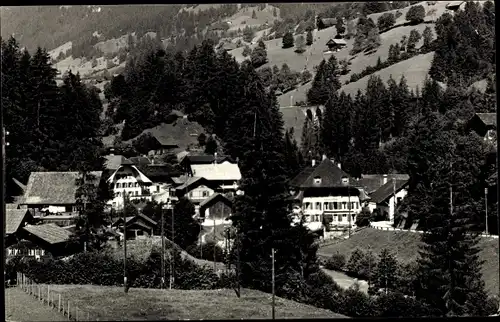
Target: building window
pixel 325 206
pixel 191 194
pixel 339 218
pixel 118 185
pixel 157 188
pixel 317 180
pixel 205 194
pixel 345 180
pixel 130 185
pixel 137 193
pixel 118 194
pixel 357 205
pixel 399 200
pixel 344 205
pixel 136 184
pixel 318 206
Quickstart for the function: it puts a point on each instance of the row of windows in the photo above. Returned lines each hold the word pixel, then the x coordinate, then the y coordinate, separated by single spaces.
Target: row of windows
pixel 329 219
pixel 126 185
pixel 203 194
pixel 133 193
pixel 330 205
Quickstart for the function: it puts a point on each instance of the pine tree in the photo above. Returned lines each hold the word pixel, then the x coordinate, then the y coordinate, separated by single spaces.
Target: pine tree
pixel 259 54
pixel 261 215
pixel 288 40
pixel 428 38
pixel 309 38
pixel 325 82
pixel 386 274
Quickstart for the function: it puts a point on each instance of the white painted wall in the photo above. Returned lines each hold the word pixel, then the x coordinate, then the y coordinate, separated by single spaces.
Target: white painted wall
pixel 125 181
pixel 200 193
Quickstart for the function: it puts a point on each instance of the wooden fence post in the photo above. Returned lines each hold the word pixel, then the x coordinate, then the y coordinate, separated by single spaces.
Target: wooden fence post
pixel 39 292
pixel 69 310
pixel 59 305
pixel 48 295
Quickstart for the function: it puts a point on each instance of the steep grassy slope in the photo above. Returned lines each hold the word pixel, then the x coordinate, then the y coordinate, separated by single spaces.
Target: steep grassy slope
pixel 406 244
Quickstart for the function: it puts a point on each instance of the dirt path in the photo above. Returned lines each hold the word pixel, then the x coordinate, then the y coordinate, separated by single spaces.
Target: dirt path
pixel 19 306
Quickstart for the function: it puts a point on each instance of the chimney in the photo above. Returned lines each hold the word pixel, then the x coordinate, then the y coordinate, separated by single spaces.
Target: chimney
pixel 112 151
pixel 324 157
pixel 313 162
pixel 339 165
pixel 385 179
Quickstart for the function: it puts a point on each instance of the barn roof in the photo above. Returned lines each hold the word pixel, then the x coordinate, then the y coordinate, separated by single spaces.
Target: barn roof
pixel 113 161
pixel 489 119
pixel 51 233
pixel 214 198
pixel 14 218
pixel 372 182
pixel 54 188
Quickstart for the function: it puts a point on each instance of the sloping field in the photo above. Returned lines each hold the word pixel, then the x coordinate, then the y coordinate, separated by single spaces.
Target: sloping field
pixel 54 53
pixel 415 70
pixel 405 245
pixel 294 117
pixel 111 304
pixel 243 17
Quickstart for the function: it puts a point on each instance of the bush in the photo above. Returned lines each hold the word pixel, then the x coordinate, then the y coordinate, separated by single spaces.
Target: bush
pixel 395 304
pixel 336 262
pixel 206 252
pixel 386 21
pixel 363 219
pixel 416 14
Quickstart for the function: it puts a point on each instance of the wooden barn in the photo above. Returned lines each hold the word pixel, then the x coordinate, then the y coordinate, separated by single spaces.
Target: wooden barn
pixel 217 207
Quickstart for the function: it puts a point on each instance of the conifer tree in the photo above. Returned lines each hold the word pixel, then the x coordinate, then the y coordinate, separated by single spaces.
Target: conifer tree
pixel 309 38
pixel 386 273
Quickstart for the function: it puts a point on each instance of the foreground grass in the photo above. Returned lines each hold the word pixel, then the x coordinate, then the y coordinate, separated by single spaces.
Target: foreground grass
pixel 19 306
pixel 110 303
pixel 406 244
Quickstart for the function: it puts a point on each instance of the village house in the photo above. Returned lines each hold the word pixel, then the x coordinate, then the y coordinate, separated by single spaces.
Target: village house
pixel 15 219
pixel 129 181
pixel 388 197
pixel 485 125
pixel 138 226
pixel 224 175
pixel 335 44
pixel 323 23
pixel 52 196
pixel 454 5
pixel 216 207
pixel 39 240
pixel 197 190
pixel 192 159
pixel 326 196
pixel 165 144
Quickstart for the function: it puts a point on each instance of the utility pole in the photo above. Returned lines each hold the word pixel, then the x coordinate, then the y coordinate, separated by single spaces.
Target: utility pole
pixel 162 247
pixel 349 206
pixel 394 196
pixel 272 257
pixel 215 247
pixel 238 267
pixel 172 267
pixel 486 208
pixel 254 123
pixel 125 286
pixel 3 188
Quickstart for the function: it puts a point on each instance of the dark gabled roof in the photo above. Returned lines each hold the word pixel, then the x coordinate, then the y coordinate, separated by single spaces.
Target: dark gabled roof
pixel 372 182
pixel 51 233
pixel 158 171
pixel 193 182
pixel 387 190
pixel 330 174
pixel 328 22
pixel 14 218
pixel 214 198
pixel 489 119
pixel 165 140
pixel 54 188
pixel 336 42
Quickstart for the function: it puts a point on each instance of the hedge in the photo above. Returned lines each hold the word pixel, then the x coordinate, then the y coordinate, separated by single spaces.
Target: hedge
pixel 100 268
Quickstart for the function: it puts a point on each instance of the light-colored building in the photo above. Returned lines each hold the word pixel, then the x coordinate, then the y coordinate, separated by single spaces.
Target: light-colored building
pixel 388 197
pixel 129 180
pixel 197 190
pixel 327 195
pixel 224 175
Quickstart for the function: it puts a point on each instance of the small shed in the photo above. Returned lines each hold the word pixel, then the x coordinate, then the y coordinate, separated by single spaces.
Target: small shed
pixel 139 225
pixel 336 44
pixel 16 219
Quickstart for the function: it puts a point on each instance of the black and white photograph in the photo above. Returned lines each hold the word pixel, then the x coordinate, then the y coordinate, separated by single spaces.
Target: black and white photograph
pixel 230 161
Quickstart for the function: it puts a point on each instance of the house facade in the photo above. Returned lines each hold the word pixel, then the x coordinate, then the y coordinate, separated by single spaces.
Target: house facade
pixel 225 176
pixel 216 207
pixel 336 44
pixel 326 195
pixel 129 181
pixel 388 197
